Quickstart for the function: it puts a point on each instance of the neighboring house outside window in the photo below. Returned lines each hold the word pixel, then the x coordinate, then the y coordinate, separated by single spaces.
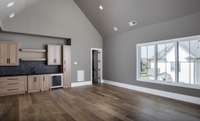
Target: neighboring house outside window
pixel 160 61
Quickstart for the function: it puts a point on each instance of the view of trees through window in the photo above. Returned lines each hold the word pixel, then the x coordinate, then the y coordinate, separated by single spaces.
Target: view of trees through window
pixel 166 62
pixel 174 61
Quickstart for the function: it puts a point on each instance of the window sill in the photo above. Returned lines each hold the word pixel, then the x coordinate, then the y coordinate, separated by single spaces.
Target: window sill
pixel 172 84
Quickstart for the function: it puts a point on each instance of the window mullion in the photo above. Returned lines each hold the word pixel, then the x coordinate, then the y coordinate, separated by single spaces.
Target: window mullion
pixel 138 61
pixel 156 62
pixel 190 78
pixel 165 61
pixel 177 62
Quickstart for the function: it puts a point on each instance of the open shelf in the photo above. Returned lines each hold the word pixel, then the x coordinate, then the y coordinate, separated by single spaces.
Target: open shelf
pixel 27 54
pixel 33 59
pixel 33 50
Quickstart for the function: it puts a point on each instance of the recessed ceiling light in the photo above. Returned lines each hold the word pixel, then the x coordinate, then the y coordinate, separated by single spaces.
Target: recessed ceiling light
pixel 10 4
pixel 100 7
pixel 115 29
pixel 12 15
pixel 132 23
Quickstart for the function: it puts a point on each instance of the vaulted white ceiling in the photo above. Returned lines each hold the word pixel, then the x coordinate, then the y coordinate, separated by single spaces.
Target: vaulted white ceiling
pixel 18 6
pixel 146 12
pixel 117 13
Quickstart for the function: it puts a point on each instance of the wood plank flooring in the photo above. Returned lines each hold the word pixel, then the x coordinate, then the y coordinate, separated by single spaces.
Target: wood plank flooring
pixel 95 103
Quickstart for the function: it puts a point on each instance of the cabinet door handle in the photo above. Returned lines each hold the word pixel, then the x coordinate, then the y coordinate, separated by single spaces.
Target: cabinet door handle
pixel 13 89
pixel 54 60
pixel 13 83
pixel 8 60
pixel 12 78
pixel 34 79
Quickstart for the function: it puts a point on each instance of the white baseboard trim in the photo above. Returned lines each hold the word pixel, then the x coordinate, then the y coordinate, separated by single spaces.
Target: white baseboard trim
pixel 78 84
pixel 171 95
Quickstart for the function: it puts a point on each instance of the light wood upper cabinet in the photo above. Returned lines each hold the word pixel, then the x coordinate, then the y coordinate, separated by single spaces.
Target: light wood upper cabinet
pixel 8 54
pixel 13 54
pixel 3 53
pixel 54 55
pixel 51 53
pixel 67 65
pixel 58 54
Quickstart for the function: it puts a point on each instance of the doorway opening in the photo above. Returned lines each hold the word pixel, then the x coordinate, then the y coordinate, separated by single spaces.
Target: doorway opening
pixel 96 65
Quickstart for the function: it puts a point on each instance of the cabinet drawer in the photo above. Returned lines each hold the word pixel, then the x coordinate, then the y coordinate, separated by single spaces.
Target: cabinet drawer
pixel 13 83
pixel 13 90
pixel 17 78
pixel 1 91
pixel 14 78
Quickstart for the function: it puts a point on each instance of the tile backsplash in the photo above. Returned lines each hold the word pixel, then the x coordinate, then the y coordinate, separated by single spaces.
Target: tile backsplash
pixel 29 68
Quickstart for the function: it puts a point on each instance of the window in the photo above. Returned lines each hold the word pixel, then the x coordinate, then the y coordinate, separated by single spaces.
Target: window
pixel 189 62
pixel 184 62
pixel 174 61
pixel 195 61
pixel 147 62
pixel 166 62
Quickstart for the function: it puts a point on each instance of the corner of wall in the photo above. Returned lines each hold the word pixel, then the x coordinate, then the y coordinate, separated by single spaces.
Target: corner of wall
pixel 1 26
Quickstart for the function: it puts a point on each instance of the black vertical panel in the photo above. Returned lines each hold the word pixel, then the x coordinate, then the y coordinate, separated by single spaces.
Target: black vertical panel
pixel 95 74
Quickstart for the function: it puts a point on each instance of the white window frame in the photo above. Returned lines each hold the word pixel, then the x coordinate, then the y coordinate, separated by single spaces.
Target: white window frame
pixel 176 83
pixel 138 59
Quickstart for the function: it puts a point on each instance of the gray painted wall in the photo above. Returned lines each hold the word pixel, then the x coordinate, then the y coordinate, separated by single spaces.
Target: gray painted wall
pixel 120 51
pixel 28 41
pixel 61 18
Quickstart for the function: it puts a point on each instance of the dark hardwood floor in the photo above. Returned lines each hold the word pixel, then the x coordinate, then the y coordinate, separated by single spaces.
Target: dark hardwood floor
pixel 95 103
